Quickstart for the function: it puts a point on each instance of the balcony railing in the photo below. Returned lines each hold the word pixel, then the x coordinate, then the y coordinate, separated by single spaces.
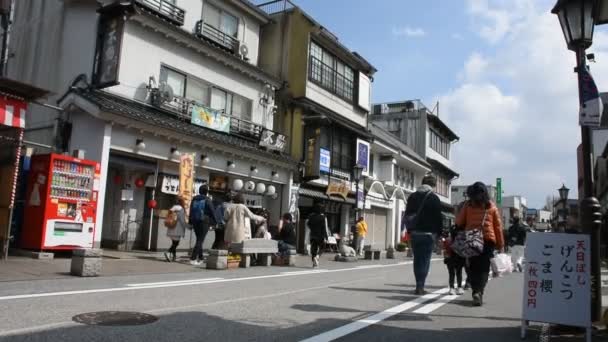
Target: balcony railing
pixel 216 36
pixel 276 6
pixel 246 129
pixel 165 9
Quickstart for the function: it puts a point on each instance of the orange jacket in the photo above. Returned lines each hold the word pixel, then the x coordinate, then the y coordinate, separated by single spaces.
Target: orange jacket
pixel 470 217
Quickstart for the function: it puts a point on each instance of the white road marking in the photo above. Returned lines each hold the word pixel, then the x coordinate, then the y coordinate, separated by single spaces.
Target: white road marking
pixel 43 327
pixel 427 309
pixel 371 320
pixel 304 272
pixel 202 280
pixel 366 266
pixel 163 285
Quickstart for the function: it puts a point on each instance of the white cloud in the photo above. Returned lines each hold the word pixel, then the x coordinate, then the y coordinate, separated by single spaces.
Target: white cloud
pixel 516 109
pixel 407 31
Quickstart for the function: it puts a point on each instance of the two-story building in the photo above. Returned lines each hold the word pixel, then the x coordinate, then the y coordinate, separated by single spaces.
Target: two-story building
pixel 426 134
pixel 395 171
pixel 323 107
pixel 142 82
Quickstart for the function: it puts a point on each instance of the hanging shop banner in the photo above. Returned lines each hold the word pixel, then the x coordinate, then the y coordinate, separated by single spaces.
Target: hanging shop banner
pixel 12 112
pixel 324 160
pixel 557 284
pixel 311 163
pixel 209 118
pixel 186 179
pixel 272 140
pixel 591 109
pixel 363 156
pixel 339 189
pixel 109 43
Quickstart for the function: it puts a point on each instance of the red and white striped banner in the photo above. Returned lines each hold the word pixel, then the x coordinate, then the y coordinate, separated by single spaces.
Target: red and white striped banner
pixel 12 112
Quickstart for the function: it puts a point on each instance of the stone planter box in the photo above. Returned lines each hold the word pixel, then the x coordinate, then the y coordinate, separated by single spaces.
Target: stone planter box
pixel 86 262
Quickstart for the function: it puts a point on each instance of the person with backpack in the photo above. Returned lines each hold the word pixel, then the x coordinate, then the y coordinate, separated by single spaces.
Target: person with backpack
pixel 482 235
pixel 424 224
pixel 176 227
pixel 317 224
pixel 220 207
pixel 202 216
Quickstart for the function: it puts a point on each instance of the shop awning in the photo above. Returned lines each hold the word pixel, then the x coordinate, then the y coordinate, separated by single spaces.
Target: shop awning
pixel 317 194
pixel 12 112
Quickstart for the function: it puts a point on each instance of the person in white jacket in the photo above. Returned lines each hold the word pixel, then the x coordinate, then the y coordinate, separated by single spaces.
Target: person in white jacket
pixel 178 232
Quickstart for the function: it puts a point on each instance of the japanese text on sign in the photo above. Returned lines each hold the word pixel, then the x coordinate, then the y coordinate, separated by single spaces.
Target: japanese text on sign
pixel 556 279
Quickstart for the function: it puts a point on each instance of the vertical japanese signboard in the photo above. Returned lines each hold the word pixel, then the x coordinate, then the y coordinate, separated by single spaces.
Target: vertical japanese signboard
pixel 557 285
pixel 186 179
pixel 498 191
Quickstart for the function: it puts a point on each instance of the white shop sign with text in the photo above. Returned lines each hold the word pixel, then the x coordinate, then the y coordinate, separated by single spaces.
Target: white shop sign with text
pixel 557 284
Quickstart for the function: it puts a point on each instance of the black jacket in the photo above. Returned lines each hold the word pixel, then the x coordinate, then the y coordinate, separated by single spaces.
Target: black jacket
pixel 288 234
pixel 429 220
pixel 318 229
pixel 517 235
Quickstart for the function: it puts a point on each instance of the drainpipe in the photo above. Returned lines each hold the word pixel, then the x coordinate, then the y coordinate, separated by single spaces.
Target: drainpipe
pixel 152 210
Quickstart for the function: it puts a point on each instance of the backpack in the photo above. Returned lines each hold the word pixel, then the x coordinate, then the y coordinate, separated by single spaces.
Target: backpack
pixel 171 220
pixel 197 211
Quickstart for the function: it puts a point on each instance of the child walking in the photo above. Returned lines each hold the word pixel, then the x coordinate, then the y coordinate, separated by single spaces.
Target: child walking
pixel 454 263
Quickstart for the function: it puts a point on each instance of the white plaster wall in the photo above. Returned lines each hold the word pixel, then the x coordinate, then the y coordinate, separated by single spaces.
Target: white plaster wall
pixel 94 136
pixel 194 10
pixel 336 104
pixel 144 51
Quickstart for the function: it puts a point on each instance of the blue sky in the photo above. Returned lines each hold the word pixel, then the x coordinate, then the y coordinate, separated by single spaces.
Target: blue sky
pixel 500 70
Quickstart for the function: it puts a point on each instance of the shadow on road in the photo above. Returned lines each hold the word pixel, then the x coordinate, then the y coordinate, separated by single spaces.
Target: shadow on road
pixel 199 326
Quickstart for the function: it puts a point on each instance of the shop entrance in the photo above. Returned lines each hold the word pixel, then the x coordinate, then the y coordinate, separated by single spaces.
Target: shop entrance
pixel 129 186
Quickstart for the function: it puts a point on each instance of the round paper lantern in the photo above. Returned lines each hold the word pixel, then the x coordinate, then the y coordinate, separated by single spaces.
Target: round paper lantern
pixel 260 188
pixel 270 190
pixel 237 184
pixel 249 186
pixel 139 182
pixel 152 204
pixel 117 180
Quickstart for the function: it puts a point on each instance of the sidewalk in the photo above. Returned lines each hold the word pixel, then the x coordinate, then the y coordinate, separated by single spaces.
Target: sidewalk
pixel 118 263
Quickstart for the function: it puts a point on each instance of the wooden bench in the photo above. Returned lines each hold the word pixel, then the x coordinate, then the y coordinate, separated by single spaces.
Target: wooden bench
pixel 264 249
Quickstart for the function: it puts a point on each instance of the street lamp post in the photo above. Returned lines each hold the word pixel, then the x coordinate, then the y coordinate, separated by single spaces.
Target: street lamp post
pixel 563 196
pixel 577 19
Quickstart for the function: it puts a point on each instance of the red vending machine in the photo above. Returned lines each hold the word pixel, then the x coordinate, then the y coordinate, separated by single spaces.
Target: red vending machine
pixel 61 203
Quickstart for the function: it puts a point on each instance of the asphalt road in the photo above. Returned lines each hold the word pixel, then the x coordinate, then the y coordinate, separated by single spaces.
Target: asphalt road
pixel 347 302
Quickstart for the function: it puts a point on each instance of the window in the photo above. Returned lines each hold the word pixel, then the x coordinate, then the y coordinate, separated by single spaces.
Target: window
pixel 342 152
pixel 221 20
pixel 331 73
pixel 439 144
pixel 442 186
pixel 206 94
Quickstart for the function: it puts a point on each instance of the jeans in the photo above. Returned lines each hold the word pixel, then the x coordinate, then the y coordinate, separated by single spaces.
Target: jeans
pixel 360 243
pixel 200 230
pixel 422 247
pixel 479 268
pixel 284 247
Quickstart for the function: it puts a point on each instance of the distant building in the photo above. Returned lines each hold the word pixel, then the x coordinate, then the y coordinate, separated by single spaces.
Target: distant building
pixel 459 193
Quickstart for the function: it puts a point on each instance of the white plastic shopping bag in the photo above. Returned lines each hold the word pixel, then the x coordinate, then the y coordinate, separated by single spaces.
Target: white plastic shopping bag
pixel 501 264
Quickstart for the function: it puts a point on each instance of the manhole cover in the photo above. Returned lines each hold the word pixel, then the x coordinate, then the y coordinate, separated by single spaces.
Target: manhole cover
pixel 114 318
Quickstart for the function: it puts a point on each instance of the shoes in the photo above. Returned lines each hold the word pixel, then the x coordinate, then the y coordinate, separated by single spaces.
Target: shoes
pixel 460 291
pixel 420 291
pixel 315 262
pixel 167 257
pixel 520 268
pixel 467 285
pixel 452 291
pixel 174 257
pixel 477 300
pixel 195 263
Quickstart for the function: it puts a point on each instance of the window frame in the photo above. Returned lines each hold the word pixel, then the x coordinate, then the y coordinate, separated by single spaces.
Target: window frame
pixel 222 13
pixel 337 83
pixel 211 86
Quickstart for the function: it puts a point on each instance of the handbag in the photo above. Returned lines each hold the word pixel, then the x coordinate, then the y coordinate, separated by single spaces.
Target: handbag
pixel 171 220
pixel 409 221
pixel 469 243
